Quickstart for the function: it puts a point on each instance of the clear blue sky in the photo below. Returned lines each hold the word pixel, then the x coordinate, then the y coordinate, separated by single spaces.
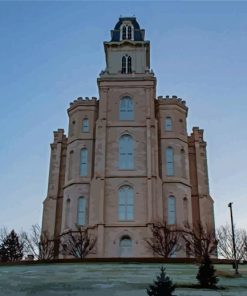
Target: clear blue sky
pixel 52 52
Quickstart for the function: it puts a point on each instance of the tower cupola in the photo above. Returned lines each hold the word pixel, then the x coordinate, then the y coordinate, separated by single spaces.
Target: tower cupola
pixel 127 53
pixel 127 28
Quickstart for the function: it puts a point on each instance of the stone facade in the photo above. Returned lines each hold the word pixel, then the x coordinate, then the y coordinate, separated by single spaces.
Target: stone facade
pixel 163 172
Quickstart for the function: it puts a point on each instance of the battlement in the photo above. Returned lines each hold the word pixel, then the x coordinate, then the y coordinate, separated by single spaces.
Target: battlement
pixel 196 135
pixel 59 136
pixel 173 100
pixel 80 101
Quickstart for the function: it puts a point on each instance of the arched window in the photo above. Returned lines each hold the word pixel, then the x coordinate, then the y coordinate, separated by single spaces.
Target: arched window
pixel 71 164
pixel 126 152
pixel 81 211
pixel 85 125
pixel 171 210
pixel 126 109
pixel 124 64
pixel 129 65
pixel 129 32
pixel 126 203
pixel 84 162
pixel 67 214
pixel 124 32
pixel 125 246
pixel 169 162
pixel 168 124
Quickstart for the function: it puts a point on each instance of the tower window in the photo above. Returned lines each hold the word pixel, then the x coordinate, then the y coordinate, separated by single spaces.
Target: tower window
pixel 85 125
pixel 84 162
pixel 126 109
pixel 126 203
pixel 71 164
pixel 126 64
pixel 129 32
pixel 129 65
pixel 126 152
pixel 81 211
pixel 171 210
pixel 126 32
pixel 169 162
pixel 168 124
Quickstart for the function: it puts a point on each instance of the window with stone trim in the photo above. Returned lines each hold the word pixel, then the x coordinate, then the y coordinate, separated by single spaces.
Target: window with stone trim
pixel 85 125
pixel 171 210
pixel 126 64
pixel 83 162
pixel 127 32
pixel 125 245
pixel 169 161
pixel 168 123
pixel 81 211
pixel 126 203
pixel 71 164
pixel 126 152
pixel 126 108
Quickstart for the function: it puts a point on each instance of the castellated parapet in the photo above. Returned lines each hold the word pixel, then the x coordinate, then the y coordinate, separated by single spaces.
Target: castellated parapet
pixel 59 136
pixel 80 101
pixel 171 101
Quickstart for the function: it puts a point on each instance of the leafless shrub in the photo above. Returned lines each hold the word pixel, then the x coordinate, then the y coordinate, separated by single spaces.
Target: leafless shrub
pixel 78 243
pixel 200 241
pixel 165 240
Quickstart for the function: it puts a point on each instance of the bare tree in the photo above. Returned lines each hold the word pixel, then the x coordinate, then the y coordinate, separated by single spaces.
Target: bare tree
pixel 38 244
pixel 245 246
pixel 78 243
pixel 200 241
pixel 165 240
pixel 225 244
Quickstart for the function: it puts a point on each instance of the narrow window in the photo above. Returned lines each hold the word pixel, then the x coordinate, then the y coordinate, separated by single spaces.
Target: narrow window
pixel 169 162
pixel 67 214
pixel 71 164
pixel 171 210
pixel 81 211
pixel 125 246
pixel 126 152
pixel 126 109
pixel 183 163
pixel 126 203
pixel 124 32
pixel 129 65
pixel 185 208
pixel 85 125
pixel 124 64
pixel 84 162
pixel 168 124
pixel 129 32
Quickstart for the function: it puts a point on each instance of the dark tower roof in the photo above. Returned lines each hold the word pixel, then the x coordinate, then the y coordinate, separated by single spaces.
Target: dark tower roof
pixel 138 33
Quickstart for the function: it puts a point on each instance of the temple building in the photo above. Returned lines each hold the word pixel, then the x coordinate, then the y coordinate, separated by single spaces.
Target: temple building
pixel 127 160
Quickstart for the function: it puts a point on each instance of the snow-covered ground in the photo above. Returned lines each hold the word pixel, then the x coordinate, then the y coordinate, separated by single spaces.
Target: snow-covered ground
pixel 105 279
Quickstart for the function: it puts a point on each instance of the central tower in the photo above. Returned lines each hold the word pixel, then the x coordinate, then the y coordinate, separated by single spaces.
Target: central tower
pixel 126 149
